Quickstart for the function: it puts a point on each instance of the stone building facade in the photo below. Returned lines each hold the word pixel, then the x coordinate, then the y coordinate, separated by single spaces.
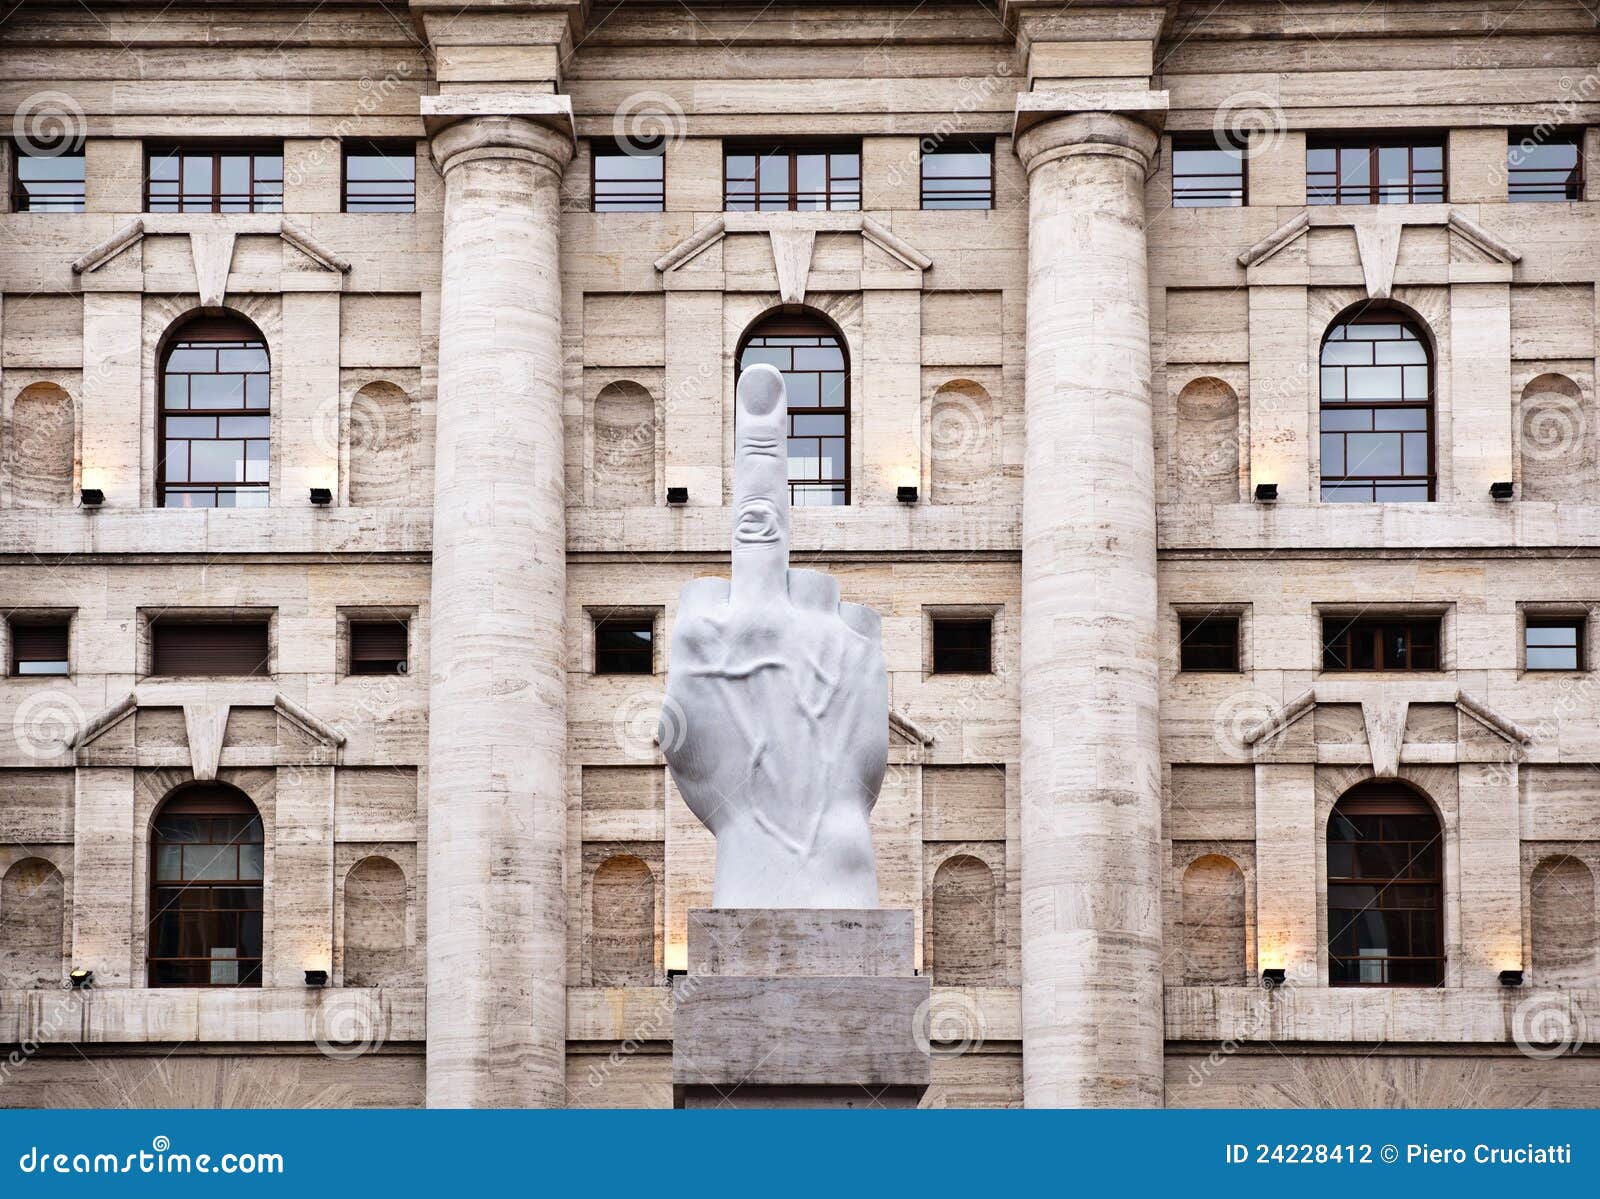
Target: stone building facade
pixel 1127 381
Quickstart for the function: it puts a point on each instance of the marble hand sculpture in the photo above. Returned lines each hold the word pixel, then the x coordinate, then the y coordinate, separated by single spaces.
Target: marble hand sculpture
pixel 776 725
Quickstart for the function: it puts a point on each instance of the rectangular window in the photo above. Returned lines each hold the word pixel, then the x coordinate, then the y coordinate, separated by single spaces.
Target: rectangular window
pixel 803 178
pixel 958 174
pixel 202 178
pixel 1382 644
pixel 1206 174
pixel 1554 642
pixel 38 645
pixel 963 645
pixel 1546 166
pixel 628 177
pixel 1209 643
pixel 624 645
pixel 221 648
pixel 1375 170
pixel 47 178
pixel 380 177
pixel 378 646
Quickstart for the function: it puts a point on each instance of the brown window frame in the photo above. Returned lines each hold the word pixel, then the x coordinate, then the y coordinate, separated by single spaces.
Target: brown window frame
pixel 1191 636
pixel 1340 193
pixel 388 149
pixel 212 803
pixel 1376 315
pixel 809 324
pixel 368 636
pixel 25 628
pixel 626 622
pixel 1580 628
pixel 251 201
pixel 951 623
pixel 793 150
pixel 637 202
pixel 235 332
pixel 1347 631
pixel 1388 803
pixel 65 202
pixel 1224 197
pixel 1524 191
pixel 958 145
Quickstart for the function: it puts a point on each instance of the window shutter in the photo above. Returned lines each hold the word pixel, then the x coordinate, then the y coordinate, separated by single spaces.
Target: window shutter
pixel 209 649
pixel 39 642
pixel 377 646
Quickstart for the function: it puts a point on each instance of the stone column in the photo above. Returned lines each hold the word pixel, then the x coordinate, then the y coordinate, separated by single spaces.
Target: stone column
pixel 1091 793
pixel 497 696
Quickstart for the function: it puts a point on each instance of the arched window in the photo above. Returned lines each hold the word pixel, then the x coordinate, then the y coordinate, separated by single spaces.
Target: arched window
pixel 816 374
pixel 214 423
pixel 205 890
pixel 1377 409
pixel 1385 889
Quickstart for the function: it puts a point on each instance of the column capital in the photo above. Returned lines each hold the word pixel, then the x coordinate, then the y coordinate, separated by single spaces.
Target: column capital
pixel 1051 125
pixel 535 127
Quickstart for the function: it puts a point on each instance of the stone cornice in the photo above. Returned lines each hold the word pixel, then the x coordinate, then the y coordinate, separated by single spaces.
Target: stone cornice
pixel 533 126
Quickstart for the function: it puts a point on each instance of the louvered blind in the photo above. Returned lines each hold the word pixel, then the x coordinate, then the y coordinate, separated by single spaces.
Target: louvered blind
pixel 34 646
pixel 234 648
pixel 377 646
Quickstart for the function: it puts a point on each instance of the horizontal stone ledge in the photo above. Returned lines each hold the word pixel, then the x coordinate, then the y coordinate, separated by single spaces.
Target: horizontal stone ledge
pixel 610 1014
pixel 1308 527
pixel 1414 1015
pixel 338 1018
pixel 145 532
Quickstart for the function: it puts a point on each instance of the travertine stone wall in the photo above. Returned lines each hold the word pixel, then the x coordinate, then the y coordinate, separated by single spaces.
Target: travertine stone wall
pixel 942 361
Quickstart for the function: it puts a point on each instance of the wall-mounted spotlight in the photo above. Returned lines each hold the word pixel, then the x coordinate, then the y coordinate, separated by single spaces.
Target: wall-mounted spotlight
pixel 1502 490
pixel 906 493
pixel 316 978
pixel 1510 978
pixel 677 496
pixel 1266 493
pixel 1274 978
pixel 675 973
pixel 91 497
pixel 322 496
pixel 81 978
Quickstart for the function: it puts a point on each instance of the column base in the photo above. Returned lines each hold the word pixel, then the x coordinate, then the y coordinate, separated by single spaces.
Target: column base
pixel 799 1007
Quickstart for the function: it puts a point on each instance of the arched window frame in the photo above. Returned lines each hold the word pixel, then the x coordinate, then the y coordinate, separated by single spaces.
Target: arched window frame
pixel 221 333
pixel 1366 316
pixel 230 820
pixel 1363 815
pixel 809 323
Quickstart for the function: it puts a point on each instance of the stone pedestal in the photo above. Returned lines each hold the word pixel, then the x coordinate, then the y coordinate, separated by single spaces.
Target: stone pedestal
pixel 799 1007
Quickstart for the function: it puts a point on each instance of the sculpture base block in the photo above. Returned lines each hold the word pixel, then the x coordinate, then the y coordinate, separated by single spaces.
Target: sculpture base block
pixel 799 1007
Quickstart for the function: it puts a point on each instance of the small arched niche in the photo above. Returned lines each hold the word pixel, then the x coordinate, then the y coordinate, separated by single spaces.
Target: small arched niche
pixel 1557 442
pixel 624 446
pixel 374 924
pixel 383 442
pixel 32 901
pixel 963 940
pixel 1208 443
pixel 1212 922
pixel 41 448
pixel 1561 896
pixel 622 946
pixel 964 445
